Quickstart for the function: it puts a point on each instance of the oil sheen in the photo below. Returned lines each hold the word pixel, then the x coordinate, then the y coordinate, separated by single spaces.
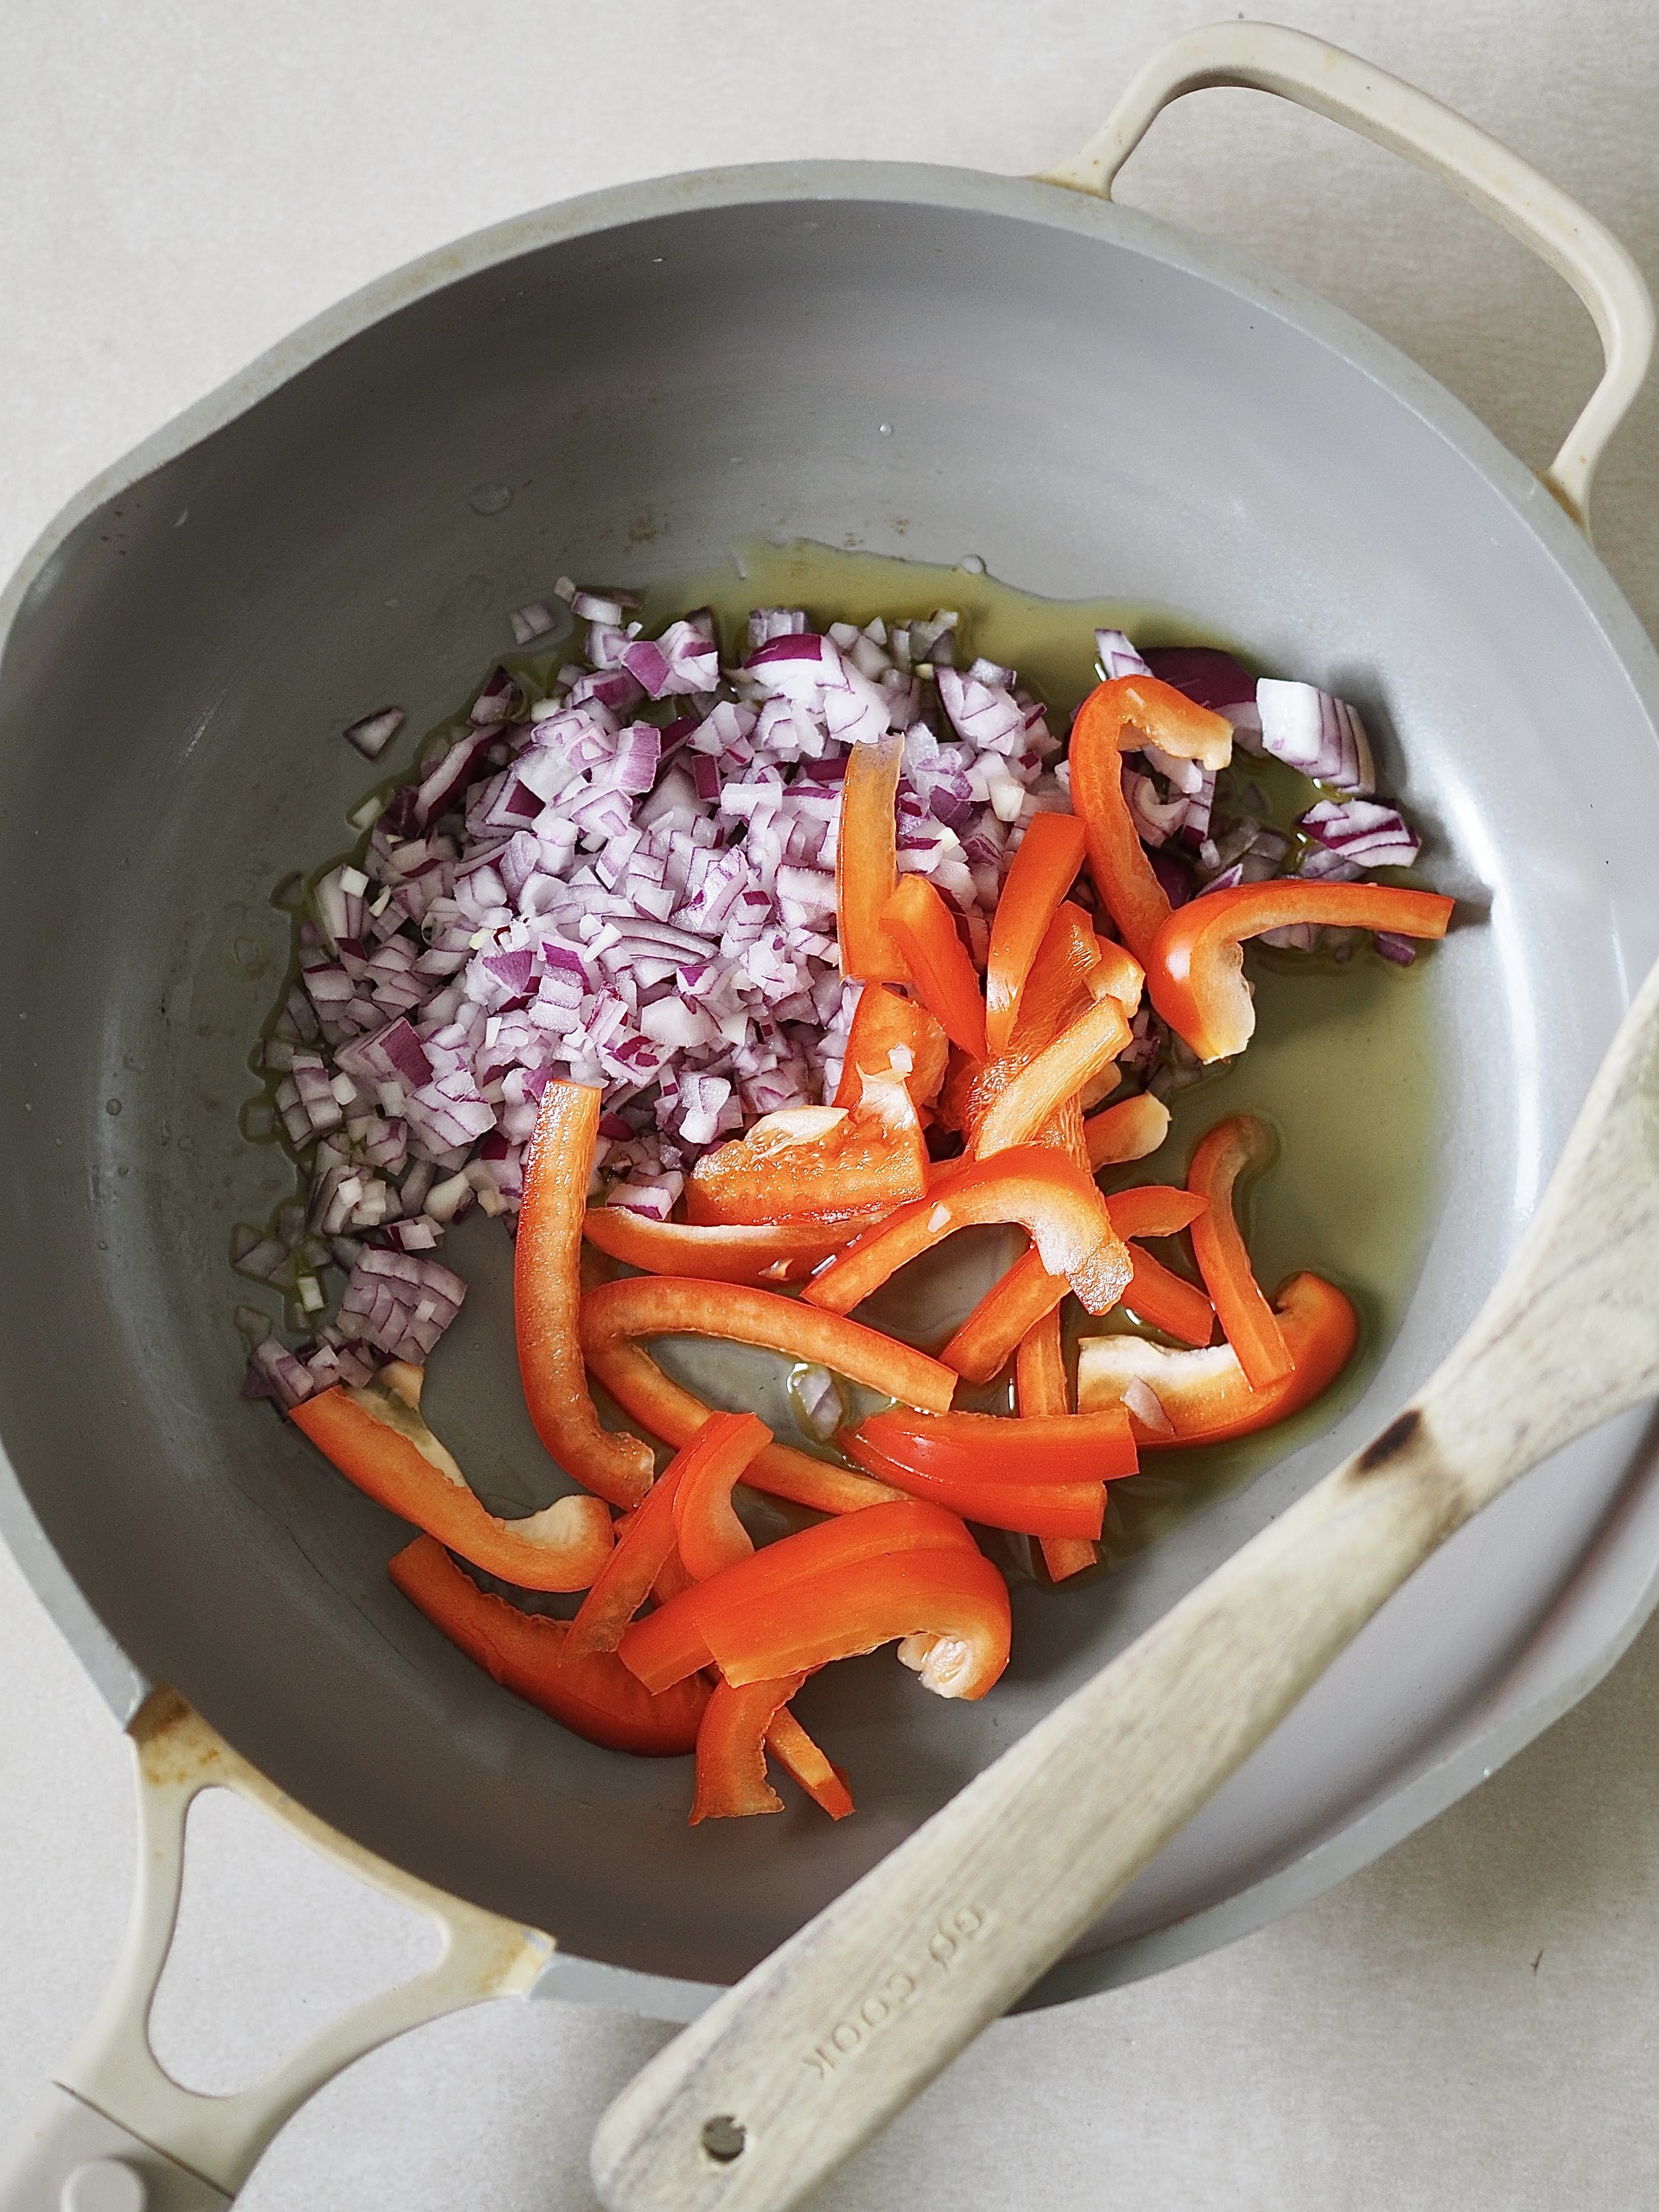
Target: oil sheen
pixel 1341 1066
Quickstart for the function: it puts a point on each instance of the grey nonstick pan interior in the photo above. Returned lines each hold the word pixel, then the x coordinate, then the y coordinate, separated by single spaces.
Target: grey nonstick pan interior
pixel 1090 403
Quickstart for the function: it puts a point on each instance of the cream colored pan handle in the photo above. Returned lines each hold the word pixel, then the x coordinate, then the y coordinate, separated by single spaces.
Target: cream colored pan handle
pixel 117 2134
pixel 1269 58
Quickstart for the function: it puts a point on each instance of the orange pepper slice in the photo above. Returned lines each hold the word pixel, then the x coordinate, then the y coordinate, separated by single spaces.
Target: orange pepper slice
pixel 723 1446
pixel 661 1306
pixel 1026 1509
pixel 706 1529
pixel 816 1163
pixel 383 1445
pixel 1053 1199
pixel 1204 1395
pixel 732 1749
pixel 764 1254
pixel 596 1697
pixel 1195 963
pixel 1040 1369
pixel 1029 1290
pixel 1039 1476
pixel 1248 1321
pixel 671 1643
pixel 953 1599
pixel 1157 1294
pixel 867 861
pixel 1051 1079
pixel 1129 1131
pixel 1040 1389
pixel 936 962
pixel 1063 1447
pixel 802 1760
pixel 1119 717
pixel 547 1296
pixel 661 1405
pixel 884 1022
pixel 1041 873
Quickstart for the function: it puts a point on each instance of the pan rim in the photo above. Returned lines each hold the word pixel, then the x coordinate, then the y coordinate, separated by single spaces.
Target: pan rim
pixel 1443 1778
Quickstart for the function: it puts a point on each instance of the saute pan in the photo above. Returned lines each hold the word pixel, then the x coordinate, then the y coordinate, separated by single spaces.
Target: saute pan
pixel 918 360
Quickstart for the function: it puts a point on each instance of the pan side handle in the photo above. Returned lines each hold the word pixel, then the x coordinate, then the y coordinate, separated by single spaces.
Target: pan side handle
pixel 119 2134
pixel 1267 57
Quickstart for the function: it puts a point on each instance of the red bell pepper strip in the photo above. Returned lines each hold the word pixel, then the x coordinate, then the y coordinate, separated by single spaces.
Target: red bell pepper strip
pixel 1195 966
pixel 725 1444
pixel 1003 1319
pixel 1026 1508
pixel 1040 1389
pixel 816 1163
pixel 1052 1078
pixel 1052 1198
pixel 672 1642
pixel 1040 1370
pixel 936 962
pixel 1129 1131
pixel 732 1749
pixel 1069 973
pixel 673 1578
pixel 1117 718
pixel 1120 972
pixel 802 1760
pixel 662 1306
pixel 547 1293
pixel 1154 1208
pixel 1015 1306
pixel 381 1444
pixel 1156 1294
pixel 1204 1395
pixel 596 1697
pixel 1060 986
pixel 1063 1447
pixel 765 1254
pixel 1042 872
pixel 885 1023
pixel 867 861
pixel 1248 1321
pixel 644 1545
pixel 707 1532
pixel 668 1410
pixel 955 1599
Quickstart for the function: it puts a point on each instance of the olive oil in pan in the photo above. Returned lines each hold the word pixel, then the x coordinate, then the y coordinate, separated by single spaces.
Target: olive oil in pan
pixel 1341 1066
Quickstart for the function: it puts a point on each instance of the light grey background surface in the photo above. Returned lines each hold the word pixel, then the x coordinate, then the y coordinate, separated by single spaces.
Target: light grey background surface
pixel 1474 2021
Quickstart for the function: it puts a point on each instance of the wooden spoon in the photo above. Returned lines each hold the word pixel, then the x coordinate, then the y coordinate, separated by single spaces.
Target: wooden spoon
pixel 814 2050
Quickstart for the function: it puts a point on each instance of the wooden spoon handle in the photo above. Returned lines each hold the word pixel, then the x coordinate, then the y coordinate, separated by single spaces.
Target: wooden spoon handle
pixel 819 2047
pixel 759 2100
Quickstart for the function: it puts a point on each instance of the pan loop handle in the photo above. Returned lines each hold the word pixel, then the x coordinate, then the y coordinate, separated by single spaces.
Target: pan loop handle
pixel 126 2135
pixel 1268 58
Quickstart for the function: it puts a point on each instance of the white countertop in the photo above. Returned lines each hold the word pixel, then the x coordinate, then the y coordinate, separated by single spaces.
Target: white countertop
pixel 1473 2023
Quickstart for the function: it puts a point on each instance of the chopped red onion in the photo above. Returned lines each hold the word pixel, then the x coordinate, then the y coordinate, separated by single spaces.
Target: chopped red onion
pixel 592 888
pixel 602 607
pixel 283 1376
pixel 1315 731
pixel 1116 656
pixel 400 1303
pixel 1400 950
pixel 1364 832
pixel 534 620
pixel 1156 820
pixel 1209 678
pixel 375 732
